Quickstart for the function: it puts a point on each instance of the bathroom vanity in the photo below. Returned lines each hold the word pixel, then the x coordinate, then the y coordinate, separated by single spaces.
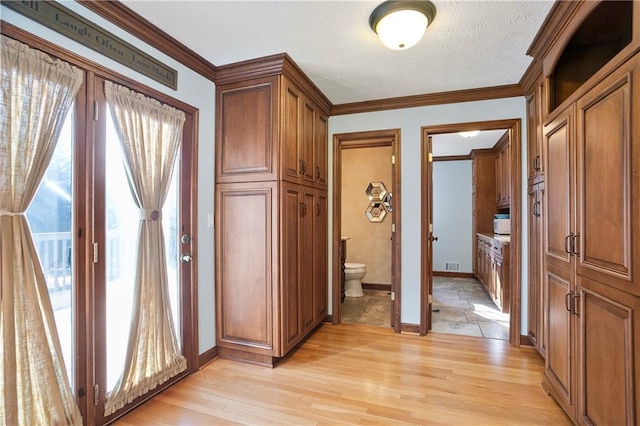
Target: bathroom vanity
pixel 493 267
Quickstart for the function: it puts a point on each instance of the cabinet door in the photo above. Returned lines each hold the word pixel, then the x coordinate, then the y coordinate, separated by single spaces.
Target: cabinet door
pixel 608 170
pixel 609 360
pixel 291 133
pixel 307 143
pixel 246 137
pixel 535 114
pixel 560 377
pixel 307 245
pixel 537 298
pixel 320 266
pixel 322 150
pixel 506 175
pixel 246 259
pixel 499 179
pixel 559 225
pixel 292 207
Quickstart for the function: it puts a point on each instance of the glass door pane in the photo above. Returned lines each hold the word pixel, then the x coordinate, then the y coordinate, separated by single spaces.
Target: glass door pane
pixel 122 222
pixel 50 218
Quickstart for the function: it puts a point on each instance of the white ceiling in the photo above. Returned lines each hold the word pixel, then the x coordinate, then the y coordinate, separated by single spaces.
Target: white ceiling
pixel 449 144
pixel 471 44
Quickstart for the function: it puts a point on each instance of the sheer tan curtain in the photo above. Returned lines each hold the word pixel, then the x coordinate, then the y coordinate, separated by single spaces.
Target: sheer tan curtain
pixel 36 94
pixel 150 133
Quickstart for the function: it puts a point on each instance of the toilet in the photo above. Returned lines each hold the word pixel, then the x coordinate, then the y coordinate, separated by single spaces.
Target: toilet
pixel 353 274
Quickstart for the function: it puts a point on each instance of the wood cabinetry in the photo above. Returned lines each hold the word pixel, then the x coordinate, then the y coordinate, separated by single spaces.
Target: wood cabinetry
pixel 503 173
pixel 537 318
pixel 535 148
pixel 271 209
pixel 493 268
pixel 591 211
pixel 483 197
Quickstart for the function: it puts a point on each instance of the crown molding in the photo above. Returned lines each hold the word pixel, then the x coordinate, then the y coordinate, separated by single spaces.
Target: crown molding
pixel 457 96
pixel 125 18
pixel 530 77
pixel 270 66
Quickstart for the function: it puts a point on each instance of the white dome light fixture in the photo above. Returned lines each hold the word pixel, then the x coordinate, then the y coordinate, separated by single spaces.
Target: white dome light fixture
pixel 401 24
pixel 470 134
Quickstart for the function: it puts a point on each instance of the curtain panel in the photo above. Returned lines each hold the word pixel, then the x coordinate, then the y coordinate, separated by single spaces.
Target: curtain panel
pixel 150 133
pixel 36 95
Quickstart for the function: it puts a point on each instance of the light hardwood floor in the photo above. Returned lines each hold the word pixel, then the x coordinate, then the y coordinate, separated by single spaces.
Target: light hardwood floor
pixel 352 374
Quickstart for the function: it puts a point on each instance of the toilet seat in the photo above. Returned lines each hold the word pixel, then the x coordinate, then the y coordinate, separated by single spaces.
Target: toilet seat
pixel 351 265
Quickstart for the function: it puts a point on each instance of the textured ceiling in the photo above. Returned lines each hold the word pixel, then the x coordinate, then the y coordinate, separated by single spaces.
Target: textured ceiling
pixel 470 44
pixel 446 144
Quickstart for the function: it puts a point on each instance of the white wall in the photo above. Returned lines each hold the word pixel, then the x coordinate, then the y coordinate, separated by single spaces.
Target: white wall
pixel 452 214
pixel 194 90
pixel 409 121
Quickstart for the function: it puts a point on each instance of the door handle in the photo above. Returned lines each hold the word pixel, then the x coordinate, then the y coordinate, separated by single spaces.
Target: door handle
pixel 567 303
pixel 574 244
pixel 566 243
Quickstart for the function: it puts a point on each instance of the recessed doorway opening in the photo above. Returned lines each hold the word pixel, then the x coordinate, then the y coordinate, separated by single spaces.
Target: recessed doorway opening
pixel 462 193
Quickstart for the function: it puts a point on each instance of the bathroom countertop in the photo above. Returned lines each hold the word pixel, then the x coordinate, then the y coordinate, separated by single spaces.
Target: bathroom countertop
pixel 504 239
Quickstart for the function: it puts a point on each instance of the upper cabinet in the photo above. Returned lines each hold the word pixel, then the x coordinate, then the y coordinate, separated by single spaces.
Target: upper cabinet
pixel 271 124
pixel 605 32
pixel 503 172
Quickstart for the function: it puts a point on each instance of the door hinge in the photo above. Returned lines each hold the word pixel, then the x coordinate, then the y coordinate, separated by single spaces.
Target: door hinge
pixel 96 394
pixel 95 252
pixel 393 296
pixel 393 159
pixel 431 157
pixel 430 299
pixel 393 227
pixel 95 111
pixel 431 228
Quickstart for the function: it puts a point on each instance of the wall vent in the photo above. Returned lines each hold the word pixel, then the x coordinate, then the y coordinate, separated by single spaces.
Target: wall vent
pixel 451 266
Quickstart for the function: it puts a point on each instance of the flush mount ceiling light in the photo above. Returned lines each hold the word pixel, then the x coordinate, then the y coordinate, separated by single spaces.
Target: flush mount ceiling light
pixel 470 134
pixel 401 24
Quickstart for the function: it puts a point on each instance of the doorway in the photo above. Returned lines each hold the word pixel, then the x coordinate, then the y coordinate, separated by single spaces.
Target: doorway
pixel 381 211
pixel 514 192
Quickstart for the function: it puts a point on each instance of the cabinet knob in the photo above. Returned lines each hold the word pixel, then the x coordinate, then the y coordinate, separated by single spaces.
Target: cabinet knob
pixel 185 258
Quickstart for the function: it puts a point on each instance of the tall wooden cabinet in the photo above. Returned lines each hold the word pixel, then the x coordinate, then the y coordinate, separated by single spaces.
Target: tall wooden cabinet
pixel 503 172
pixel 591 210
pixel 271 209
pixel 483 199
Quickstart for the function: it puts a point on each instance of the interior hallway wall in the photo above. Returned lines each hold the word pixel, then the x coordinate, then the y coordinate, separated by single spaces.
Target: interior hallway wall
pixel 452 214
pixel 410 121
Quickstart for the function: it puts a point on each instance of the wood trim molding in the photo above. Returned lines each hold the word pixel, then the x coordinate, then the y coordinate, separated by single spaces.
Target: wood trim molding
pixel 390 137
pixel 409 328
pixel 374 286
pixel 451 274
pixel 456 96
pixel 269 66
pixel 515 138
pixel 530 77
pixel 554 23
pixel 120 15
pixel 452 158
pixel 525 341
pixel 46 46
pixel 206 357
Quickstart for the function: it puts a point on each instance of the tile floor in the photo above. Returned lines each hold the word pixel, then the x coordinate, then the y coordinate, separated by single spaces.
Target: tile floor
pixel 461 306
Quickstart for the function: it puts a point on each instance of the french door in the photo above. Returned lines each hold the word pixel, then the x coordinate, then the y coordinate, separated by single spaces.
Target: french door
pixel 85 225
